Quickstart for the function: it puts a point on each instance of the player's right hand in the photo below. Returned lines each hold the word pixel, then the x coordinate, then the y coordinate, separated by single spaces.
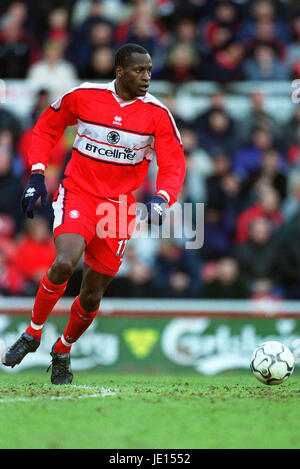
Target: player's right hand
pixel 35 189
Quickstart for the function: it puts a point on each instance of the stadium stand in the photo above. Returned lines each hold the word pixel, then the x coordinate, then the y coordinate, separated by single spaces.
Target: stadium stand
pixel 225 69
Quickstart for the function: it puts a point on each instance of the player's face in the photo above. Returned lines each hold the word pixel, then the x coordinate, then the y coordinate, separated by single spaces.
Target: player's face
pixel 134 80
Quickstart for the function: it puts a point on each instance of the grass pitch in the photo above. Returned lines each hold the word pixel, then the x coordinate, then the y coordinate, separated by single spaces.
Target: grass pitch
pixel 142 411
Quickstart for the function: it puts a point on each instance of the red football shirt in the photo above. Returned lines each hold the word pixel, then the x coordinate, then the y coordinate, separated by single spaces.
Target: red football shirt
pixel 114 144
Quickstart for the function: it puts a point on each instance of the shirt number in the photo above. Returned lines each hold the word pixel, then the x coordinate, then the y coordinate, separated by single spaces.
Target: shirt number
pixel 121 247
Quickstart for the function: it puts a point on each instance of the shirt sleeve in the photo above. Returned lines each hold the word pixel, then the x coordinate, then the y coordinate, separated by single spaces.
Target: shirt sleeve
pixel 49 128
pixel 170 157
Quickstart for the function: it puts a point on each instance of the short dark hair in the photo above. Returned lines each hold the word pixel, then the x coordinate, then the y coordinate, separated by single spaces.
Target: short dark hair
pixel 123 54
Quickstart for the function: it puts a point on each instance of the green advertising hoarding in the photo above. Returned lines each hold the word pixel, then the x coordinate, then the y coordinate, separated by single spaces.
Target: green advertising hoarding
pixel 157 344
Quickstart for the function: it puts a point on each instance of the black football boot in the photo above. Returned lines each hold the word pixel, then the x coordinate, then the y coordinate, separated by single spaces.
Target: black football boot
pixel 15 354
pixel 61 367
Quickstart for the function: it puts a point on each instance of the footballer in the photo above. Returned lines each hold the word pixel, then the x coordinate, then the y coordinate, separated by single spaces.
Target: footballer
pixel 119 127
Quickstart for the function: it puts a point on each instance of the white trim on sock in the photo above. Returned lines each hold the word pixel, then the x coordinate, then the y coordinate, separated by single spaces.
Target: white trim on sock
pixel 36 327
pixel 66 344
pixel 47 289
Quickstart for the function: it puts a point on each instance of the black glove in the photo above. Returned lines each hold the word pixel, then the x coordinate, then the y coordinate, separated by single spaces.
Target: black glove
pixel 35 189
pixel 157 210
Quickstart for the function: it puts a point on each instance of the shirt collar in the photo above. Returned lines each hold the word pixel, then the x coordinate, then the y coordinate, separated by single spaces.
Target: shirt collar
pixel 112 87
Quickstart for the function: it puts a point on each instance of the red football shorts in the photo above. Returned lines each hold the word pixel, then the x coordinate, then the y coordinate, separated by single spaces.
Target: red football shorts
pixel 105 224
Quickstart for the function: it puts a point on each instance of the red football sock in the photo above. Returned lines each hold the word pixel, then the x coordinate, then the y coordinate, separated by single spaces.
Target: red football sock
pixel 47 296
pixel 79 321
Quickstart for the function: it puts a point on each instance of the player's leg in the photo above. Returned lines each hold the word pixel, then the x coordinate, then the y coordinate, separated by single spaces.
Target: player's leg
pixel 84 308
pixel 83 312
pixel 69 248
pixel 103 258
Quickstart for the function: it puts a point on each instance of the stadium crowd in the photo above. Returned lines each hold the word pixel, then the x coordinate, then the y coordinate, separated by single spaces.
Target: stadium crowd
pixel 246 172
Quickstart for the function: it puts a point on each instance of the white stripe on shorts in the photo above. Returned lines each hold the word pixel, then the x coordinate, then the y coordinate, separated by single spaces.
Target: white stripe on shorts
pixel 58 207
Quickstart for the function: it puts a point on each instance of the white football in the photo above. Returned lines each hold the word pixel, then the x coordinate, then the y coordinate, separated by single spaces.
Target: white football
pixel 272 362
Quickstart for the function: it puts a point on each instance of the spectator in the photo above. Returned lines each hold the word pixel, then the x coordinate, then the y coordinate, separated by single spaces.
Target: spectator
pixel 288 265
pixel 225 64
pixel 267 207
pixel 225 191
pixel 101 65
pixel 166 10
pixel 36 251
pixel 221 167
pixel 85 11
pixel 217 40
pixel 53 72
pixel 140 277
pixel 227 283
pixel 9 120
pixel 143 32
pixel 265 64
pixel 257 256
pixel 265 33
pixel 222 27
pixel 217 237
pixel 11 281
pixel 186 31
pixel 18 48
pixel 58 25
pixel 249 156
pixel 7 232
pixel 293 48
pixel 216 103
pixel 134 278
pixel 182 64
pixel 188 8
pixel 40 103
pixel 271 172
pixel 291 133
pixel 293 152
pixel 263 12
pixel 143 11
pixel 172 277
pixel 264 289
pixel 144 27
pixel 258 117
pixel 290 205
pixel 218 134
pixel 295 74
pixel 235 200
pixel 199 166
pixel 100 34
pixel 11 188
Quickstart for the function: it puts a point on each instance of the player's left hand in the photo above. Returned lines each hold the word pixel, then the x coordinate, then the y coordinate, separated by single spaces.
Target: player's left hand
pixel 157 210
